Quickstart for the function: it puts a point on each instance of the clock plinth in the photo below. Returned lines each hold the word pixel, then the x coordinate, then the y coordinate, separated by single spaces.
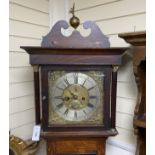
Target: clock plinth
pixel 81 146
pixel 75 90
pixel 79 143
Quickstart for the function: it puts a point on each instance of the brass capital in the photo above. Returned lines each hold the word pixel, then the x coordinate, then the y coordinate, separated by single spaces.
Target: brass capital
pixel 115 68
pixel 35 68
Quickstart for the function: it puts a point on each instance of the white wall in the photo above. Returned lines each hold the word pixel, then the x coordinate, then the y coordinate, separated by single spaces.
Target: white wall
pixel 58 11
pixel 29 21
pixel 113 17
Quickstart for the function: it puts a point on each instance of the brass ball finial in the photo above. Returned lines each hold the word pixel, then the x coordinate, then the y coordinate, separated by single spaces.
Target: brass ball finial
pixel 74 21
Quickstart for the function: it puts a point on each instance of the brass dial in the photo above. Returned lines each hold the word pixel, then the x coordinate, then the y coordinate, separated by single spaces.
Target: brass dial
pixel 75 96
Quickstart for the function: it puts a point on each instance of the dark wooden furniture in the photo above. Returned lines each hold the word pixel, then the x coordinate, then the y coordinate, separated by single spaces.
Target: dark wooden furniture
pixel 77 53
pixel 138 42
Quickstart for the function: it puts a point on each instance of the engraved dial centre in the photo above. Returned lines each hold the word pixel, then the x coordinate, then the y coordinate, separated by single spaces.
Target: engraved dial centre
pixel 75 97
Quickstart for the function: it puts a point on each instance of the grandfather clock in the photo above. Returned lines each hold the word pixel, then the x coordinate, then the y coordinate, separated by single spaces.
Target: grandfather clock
pixel 75 81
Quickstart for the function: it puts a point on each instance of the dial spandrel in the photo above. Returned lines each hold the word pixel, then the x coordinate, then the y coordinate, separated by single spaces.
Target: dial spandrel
pixel 75 97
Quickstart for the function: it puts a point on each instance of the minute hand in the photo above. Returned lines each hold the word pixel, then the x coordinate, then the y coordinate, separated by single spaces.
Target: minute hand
pixel 74 95
pixel 71 92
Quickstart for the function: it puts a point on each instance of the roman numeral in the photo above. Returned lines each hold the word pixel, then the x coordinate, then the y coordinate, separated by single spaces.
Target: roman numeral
pixel 91 88
pixel 60 105
pixel 84 112
pixel 92 97
pixel 66 111
pixel 84 82
pixel 58 97
pixel 66 82
pixel 75 114
pixel 76 78
pixel 90 105
pixel 60 88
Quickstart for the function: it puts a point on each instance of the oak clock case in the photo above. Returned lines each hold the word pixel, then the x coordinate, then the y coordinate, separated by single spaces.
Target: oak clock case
pixel 75 81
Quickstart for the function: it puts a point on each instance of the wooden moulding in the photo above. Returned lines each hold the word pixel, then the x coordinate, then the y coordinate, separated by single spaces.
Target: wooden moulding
pixel 134 38
pixel 72 134
pixel 50 56
pixel 96 39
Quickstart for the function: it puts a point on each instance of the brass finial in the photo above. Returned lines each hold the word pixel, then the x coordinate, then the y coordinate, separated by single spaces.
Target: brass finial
pixel 72 10
pixel 74 21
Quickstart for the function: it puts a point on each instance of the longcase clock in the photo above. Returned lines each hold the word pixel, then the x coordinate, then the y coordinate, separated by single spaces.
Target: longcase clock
pixel 75 81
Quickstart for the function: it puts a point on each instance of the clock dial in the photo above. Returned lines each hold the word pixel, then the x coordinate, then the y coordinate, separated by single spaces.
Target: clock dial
pixel 75 97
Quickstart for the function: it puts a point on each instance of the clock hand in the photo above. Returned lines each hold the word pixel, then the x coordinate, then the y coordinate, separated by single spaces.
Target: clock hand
pixel 71 92
pixel 75 96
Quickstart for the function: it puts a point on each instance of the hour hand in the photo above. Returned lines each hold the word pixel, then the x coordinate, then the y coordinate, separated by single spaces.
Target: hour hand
pixel 74 95
pixel 71 92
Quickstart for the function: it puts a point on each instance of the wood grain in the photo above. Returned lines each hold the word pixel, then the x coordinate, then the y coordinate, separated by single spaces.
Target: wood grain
pixel 82 146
